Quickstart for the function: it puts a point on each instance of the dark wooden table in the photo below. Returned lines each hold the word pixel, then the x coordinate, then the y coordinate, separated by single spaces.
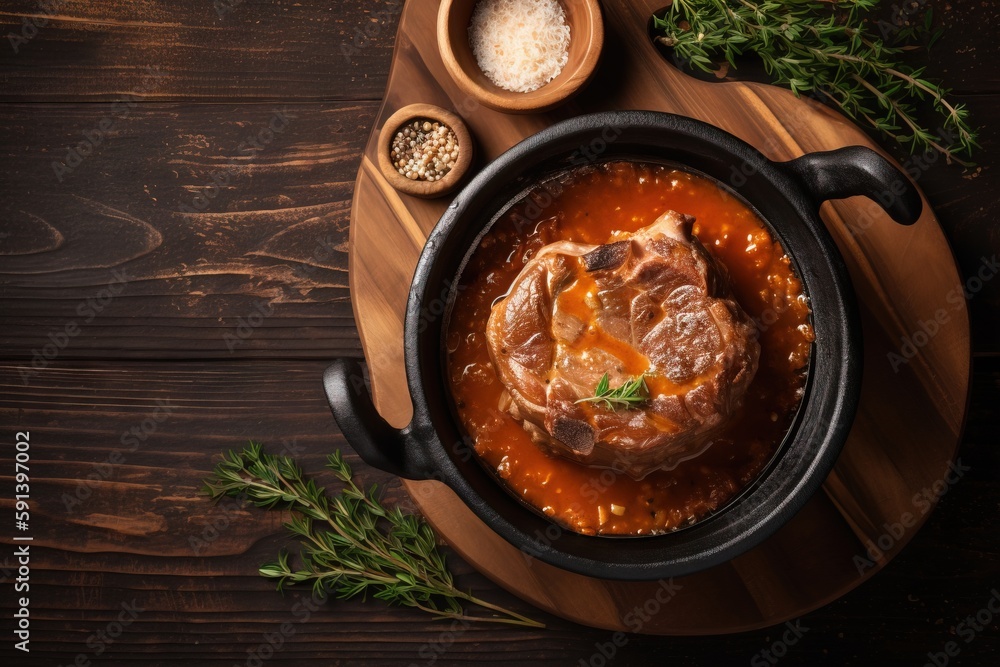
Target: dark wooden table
pixel 156 155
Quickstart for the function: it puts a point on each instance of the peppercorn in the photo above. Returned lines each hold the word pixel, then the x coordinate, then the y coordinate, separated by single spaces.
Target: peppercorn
pixel 424 150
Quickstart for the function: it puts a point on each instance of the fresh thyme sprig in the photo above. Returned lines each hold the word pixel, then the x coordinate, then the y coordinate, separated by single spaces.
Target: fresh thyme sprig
pixel 351 544
pixel 822 48
pixel 632 392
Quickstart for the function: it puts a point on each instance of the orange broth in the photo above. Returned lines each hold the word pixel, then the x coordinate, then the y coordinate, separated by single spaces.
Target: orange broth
pixel 589 205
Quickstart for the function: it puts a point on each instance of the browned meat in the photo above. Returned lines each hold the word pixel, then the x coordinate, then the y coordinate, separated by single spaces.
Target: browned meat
pixel 653 303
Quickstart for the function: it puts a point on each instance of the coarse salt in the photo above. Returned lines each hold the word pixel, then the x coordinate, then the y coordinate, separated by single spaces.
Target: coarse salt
pixel 520 45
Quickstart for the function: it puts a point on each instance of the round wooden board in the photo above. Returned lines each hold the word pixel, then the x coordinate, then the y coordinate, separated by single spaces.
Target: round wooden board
pixel 911 415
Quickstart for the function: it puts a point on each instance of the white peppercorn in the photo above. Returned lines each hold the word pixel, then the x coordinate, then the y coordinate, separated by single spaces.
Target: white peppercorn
pixel 424 150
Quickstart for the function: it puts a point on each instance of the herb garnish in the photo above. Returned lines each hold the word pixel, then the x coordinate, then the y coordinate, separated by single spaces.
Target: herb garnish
pixel 634 391
pixel 826 49
pixel 351 544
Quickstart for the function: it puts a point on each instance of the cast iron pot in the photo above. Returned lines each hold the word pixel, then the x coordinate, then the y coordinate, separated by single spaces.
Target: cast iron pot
pixel 786 195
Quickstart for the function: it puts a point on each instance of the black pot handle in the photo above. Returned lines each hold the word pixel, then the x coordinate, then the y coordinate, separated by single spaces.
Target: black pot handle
pixel 376 442
pixel 856 170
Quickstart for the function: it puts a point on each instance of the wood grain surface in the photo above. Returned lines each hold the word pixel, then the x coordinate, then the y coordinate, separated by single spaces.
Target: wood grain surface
pixel 207 50
pixel 169 327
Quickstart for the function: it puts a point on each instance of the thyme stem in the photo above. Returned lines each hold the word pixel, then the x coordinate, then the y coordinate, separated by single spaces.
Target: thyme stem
pixel 826 49
pixel 351 544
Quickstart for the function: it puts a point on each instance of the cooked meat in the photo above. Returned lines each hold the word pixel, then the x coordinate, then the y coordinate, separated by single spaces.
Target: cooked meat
pixel 652 304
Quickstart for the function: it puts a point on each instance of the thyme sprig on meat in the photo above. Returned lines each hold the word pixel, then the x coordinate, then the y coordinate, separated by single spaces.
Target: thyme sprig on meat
pixel 633 392
pixel 351 544
pixel 826 49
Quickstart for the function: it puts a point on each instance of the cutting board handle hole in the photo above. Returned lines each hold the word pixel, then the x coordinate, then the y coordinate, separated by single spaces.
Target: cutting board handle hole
pixel 748 67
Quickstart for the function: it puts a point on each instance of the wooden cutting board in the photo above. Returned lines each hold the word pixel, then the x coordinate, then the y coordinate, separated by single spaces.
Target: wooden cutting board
pixel 911 415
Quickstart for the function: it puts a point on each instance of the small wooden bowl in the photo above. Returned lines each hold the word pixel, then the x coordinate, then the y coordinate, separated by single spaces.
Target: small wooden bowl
pixel 424 189
pixel 585 43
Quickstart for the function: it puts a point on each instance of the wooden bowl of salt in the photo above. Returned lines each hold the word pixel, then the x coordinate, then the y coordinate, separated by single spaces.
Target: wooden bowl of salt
pixel 493 52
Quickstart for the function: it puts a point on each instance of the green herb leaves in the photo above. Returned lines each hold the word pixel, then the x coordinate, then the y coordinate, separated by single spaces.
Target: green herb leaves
pixel 823 49
pixel 633 392
pixel 351 544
